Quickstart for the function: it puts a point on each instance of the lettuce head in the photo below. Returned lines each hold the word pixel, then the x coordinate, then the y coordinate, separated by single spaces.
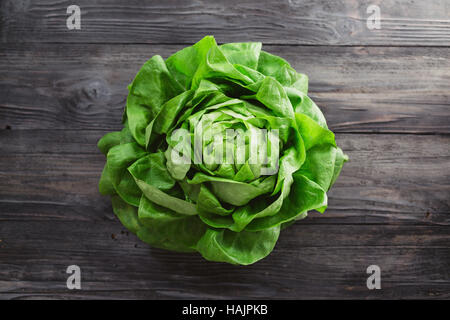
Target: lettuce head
pixel 221 148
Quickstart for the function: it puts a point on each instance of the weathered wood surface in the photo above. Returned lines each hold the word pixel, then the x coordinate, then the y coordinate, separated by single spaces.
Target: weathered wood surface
pixel 309 261
pixel 360 89
pixel 322 22
pixel 385 92
pixel 390 179
pixel 390 207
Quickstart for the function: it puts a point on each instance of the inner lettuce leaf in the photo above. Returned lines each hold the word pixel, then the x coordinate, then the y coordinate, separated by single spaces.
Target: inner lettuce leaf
pixel 231 210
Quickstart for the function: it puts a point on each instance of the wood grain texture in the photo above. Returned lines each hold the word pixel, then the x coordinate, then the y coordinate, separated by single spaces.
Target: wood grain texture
pixel 52 175
pixel 360 89
pixel 385 92
pixel 390 207
pixel 323 22
pixel 309 261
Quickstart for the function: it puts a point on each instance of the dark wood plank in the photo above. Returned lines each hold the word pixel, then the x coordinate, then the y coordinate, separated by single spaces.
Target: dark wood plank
pixel 390 207
pixel 340 22
pixel 390 179
pixel 360 89
pixel 309 261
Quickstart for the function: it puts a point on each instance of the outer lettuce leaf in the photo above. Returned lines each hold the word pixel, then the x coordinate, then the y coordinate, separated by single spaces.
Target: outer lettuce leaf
pixel 152 87
pixel 167 229
pixel 126 213
pixel 237 247
pixel 119 159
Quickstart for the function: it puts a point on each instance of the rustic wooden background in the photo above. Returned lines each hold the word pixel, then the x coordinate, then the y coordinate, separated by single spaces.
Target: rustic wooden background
pixel 386 94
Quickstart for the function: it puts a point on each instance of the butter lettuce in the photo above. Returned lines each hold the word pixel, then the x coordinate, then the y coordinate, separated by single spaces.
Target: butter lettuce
pixel 228 212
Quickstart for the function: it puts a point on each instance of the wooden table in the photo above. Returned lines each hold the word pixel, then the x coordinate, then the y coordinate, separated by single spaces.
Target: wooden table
pixel 385 92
